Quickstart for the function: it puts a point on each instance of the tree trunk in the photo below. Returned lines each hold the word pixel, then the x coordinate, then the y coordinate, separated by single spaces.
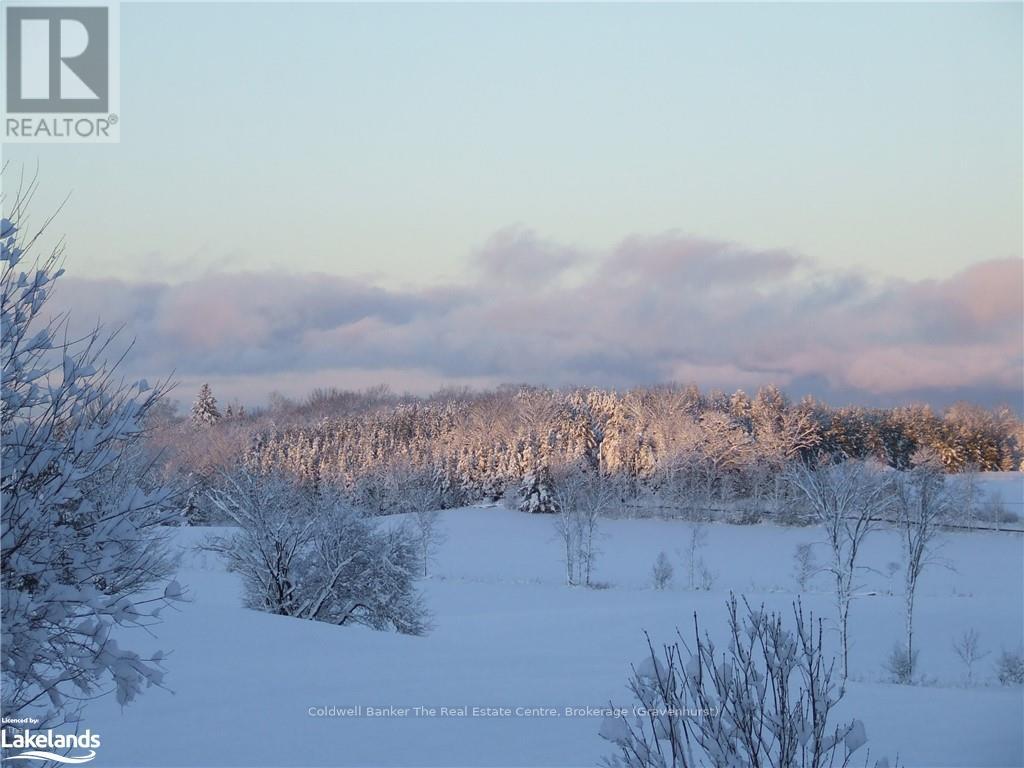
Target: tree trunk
pixel 908 598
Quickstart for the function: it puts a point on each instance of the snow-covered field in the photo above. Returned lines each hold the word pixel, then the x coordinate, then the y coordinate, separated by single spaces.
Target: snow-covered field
pixel 508 633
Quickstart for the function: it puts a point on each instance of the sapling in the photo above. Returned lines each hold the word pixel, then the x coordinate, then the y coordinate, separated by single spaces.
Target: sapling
pixel 805 566
pixel 923 502
pixel 968 649
pixel 698 539
pixel 848 500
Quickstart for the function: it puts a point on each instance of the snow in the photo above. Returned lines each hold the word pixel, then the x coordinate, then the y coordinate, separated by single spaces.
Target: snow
pixel 1008 487
pixel 508 633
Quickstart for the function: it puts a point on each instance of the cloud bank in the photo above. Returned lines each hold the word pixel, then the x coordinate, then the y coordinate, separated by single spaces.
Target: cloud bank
pixel 653 309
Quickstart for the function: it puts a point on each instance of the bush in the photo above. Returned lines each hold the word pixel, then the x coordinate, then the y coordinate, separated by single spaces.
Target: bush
pixel 805 565
pixel 763 699
pixel 662 571
pixel 303 552
pixel 705 577
pixel 1010 667
pixel 901 665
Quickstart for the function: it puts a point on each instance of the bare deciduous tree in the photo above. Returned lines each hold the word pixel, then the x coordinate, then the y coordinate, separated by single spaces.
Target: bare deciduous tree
pixel 848 500
pixel 969 482
pixel 429 536
pixel 923 502
pixel 581 496
pixel 968 649
pixel 696 540
pixel 417 494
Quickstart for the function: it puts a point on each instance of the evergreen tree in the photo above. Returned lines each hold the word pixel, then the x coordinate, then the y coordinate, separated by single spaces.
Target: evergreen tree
pixel 204 410
pixel 536 495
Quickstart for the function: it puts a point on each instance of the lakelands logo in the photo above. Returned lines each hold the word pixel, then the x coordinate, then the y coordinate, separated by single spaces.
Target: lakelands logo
pixel 55 747
pixel 61 73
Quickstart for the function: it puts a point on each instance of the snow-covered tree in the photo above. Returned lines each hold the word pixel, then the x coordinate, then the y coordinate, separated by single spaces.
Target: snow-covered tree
pixel 696 568
pixel 848 500
pixel 805 565
pixel 361 573
pixel 1010 667
pixel 204 409
pixel 967 647
pixel 764 699
pixel 536 494
pixel 190 512
pixel 275 532
pixel 304 552
pixel 674 447
pixel 970 491
pixel 724 448
pixel 80 550
pixel 923 503
pixel 581 498
pixel 426 528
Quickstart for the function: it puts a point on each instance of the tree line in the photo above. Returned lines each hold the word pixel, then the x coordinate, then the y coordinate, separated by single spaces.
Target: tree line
pixel 666 445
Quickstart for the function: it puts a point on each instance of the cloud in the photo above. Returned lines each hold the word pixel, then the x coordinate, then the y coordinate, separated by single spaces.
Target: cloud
pixel 695 263
pixel 662 308
pixel 517 256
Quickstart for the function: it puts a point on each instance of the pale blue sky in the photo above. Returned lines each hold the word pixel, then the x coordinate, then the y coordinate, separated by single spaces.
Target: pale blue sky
pixel 824 197
pixel 392 141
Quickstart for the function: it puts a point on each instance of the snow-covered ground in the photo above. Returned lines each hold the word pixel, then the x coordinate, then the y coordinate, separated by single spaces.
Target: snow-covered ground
pixel 508 633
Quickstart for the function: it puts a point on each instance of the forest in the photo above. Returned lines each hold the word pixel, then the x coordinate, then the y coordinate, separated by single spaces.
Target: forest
pixel 665 447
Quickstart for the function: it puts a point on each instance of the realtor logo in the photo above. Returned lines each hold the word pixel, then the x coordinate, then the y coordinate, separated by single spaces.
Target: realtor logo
pixel 61 71
pixel 57 60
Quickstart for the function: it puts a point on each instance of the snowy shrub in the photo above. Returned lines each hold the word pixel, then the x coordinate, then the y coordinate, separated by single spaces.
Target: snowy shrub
pixel 81 548
pixel 968 649
pixel 764 699
pixel 361 574
pixel 901 665
pixel 705 577
pixel 275 532
pixel 662 571
pixel 1010 667
pixel 303 552
pixel 805 566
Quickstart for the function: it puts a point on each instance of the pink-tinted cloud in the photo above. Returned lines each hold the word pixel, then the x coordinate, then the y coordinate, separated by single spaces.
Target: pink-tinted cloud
pixel 654 309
